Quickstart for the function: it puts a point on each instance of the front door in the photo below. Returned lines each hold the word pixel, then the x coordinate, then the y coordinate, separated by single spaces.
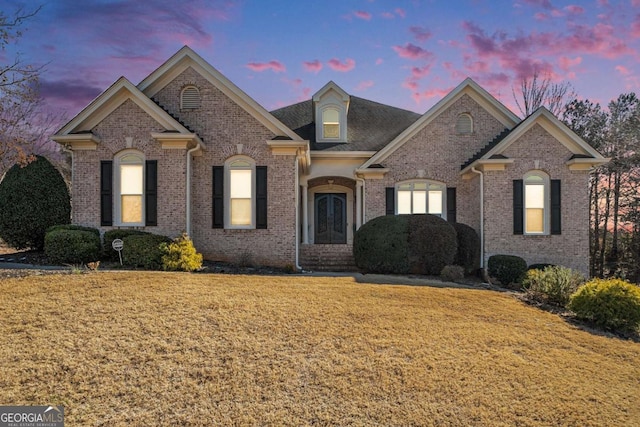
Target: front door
pixel 331 218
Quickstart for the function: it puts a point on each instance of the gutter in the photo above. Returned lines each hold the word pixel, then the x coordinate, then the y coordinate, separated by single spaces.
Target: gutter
pixel 188 207
pixel 474 170
pixel 363 219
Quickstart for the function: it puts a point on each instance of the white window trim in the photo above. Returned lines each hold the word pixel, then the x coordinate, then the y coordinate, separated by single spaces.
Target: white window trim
pixel 118 196
pixel 342 122
pixel 429 183
pixel 227 192
pixel 182 107
pixel 546 213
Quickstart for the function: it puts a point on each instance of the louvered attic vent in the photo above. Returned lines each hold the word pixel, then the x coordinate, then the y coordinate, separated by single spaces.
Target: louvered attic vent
pixel 190 98
pixel 464 124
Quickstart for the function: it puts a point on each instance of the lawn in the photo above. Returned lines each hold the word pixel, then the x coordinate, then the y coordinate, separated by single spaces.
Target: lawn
pixel 196 349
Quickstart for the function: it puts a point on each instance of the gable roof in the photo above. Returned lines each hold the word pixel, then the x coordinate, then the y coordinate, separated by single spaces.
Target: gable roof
pixel 371 125
pixel 331 86
pixel 467 87
pixel 185 58
pixel 581 151
pixel 108 101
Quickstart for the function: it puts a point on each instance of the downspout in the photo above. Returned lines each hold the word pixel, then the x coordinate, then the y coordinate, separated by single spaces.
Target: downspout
pixel 188 207
pixel 362 220
pixel 296 169
pixel 474 170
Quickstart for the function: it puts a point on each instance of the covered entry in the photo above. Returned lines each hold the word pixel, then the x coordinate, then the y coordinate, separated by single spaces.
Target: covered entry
pixel 330 212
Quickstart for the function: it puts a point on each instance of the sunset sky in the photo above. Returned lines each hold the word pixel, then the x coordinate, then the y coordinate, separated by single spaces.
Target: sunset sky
pixel 404 53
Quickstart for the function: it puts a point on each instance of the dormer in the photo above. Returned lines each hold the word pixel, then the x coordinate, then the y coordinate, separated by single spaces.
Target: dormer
pixel 331 105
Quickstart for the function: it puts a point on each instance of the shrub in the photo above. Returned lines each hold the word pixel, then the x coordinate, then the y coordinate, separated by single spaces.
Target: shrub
pixel 612 304
pixel 143 250
pixel 74 227
pixel 380 245
pixel 32 199
pixel 452 273
pixel 508 269
pixel 432 244
pixel 553 285
pixel 72 246
pixel 468 254
pixel 180 255
pixel 540 266
pixel 111 235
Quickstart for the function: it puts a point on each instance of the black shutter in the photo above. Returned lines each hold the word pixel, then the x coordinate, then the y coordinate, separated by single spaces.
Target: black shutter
pixel 261 197
pixel 451 204
pixel 391 200
pixel 106 192
pixel 518 207
pixel 151 192
pixel 218 197
pixel 556 221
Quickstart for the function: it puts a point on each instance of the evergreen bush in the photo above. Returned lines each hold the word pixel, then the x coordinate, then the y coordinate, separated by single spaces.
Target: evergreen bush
pixel 612 304
pixel 468 254
pixel 111 235
pixel 180 255
pixel 380 245
pixel 72 246
pixel 432 244
pixel 452 273
pixel 143 250
pixel 508 269
pixel 32 199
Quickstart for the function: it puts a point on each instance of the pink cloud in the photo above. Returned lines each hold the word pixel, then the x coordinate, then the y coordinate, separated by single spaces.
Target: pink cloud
pixel 364 85
pixel 622 70
pixel 635 3
pixel 635 27
pixel 387 15
pixel 400 12
pixel 312 66
pixel 557 13
pixel 420 72
pixel 421 34
pixel 575 9
pixel 379 61
pixel 275 66
pixel 546 4
pixel 411 51
pixel 418 97
pixel 566 62
pixel 541 16
pixel 348 65
pixel 361 14
pixel 604 2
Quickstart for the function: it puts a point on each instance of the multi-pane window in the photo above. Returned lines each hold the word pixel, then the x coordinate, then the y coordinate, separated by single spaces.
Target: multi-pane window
pixel 420 197
pixel 131 189
pixel 330 123
pixel 535 204
pixel 241 193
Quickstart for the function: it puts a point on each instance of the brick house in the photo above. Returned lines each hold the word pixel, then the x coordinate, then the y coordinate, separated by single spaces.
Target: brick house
pixel 187 150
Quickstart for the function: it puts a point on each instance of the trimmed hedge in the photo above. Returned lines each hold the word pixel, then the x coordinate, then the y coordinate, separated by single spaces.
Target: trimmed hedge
pixel 143 250
pixel 75 228
pixel 508 269
pixel 32 199
pixel 381 245
pixel 72 246
pixel 432 244
pixel 111 235
pixel 611 304
pixel 468 255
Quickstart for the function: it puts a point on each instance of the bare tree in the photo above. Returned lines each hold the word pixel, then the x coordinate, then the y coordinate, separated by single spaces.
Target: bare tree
pixel 536 92
pixel 24 123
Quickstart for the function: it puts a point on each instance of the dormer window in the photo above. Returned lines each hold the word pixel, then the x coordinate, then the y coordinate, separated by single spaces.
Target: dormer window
pixel 330 123
pixel 190 98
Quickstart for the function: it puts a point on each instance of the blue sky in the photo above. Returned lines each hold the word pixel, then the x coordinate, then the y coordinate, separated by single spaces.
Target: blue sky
pixel 403 53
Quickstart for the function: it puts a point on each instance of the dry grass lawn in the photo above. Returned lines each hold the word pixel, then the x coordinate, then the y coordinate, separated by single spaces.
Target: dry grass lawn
pixel 178 349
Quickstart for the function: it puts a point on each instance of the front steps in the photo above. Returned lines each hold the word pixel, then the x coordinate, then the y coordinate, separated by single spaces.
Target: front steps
pixel 327 257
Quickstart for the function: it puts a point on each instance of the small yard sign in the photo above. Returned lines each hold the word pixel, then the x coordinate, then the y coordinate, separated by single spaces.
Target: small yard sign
pixel 117 245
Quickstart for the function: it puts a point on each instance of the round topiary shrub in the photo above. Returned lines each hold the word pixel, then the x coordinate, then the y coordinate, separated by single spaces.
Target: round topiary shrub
pixel 612 304
pixel 380 245
pixel 180 255
pixel 143 250
pixel 508 269
pixel 32 199
pixel 432 244
pixel 72 246
pixel 468 255
pixel 109 236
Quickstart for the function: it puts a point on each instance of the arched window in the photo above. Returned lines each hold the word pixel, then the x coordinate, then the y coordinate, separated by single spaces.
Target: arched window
pixel 421 197
pixel 330 123
pixel 241 192
pixel 190 98
pixel 464 124
pixel 536 203
pixel 129 187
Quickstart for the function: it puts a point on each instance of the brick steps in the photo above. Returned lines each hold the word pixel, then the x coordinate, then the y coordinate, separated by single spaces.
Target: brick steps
pixel 327 258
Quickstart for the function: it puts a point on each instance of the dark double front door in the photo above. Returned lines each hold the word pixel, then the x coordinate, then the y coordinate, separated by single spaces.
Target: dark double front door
pixel 331 218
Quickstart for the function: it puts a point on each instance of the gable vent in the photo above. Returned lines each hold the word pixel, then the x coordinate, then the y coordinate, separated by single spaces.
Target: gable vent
pixel 464 124
pixel 190 98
